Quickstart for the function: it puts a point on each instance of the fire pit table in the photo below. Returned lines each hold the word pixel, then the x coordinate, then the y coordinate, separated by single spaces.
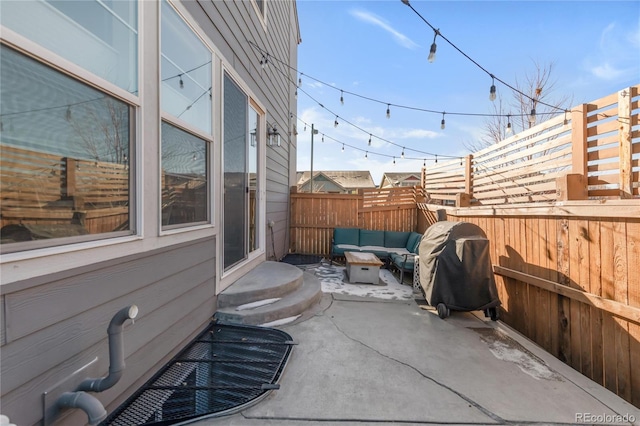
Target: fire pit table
pixel 363 267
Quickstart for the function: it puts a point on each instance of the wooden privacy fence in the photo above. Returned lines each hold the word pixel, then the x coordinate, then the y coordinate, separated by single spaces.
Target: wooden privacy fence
pixel 315 215
pixel 591 152
pixel 568 277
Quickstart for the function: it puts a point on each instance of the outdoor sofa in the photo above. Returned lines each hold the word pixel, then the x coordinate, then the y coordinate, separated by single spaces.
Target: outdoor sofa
pixel 394 248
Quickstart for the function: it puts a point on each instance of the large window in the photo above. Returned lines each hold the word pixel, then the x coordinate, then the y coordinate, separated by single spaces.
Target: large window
pixel 101 36
pixel 187 125
pixel 66 157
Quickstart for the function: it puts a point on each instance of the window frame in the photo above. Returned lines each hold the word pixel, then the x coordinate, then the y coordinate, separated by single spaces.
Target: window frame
pixel 34 51
pixel 208 138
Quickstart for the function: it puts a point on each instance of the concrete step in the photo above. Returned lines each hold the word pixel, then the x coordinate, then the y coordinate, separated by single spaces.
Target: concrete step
pixel 289 306
pixel 268 280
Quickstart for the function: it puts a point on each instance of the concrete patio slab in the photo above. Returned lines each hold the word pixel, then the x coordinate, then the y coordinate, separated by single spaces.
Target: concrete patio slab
pixel 365 360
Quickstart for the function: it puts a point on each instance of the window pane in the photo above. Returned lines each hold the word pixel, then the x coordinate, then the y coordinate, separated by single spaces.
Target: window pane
pixel 65 154
pixel 100 36
pixel 184 177
pixel 236 135
pixel 255 134
pixel 186 72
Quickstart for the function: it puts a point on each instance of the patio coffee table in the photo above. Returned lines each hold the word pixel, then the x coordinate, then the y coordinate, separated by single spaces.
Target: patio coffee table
pixel 363 267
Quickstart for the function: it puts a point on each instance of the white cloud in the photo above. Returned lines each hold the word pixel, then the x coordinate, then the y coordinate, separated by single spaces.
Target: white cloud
pixel 370 18
pixel 607 72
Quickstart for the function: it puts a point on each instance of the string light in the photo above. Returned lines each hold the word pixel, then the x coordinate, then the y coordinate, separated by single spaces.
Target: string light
pixel 323 138
pixel 436 158
pixel 394 161
pixel 263 62
pixel 492 90
pixel 341 97
pixel 432 58
pixel 305 127
pixel 424 163
pixel 414 108
pixel 461 161
pixel 509 129
pixel 369 139
pixel 565 122
pixel 181 83
pixel 402 155
pixel 342 147
pixel 432 50
pixel 300 80
pixel 366 154
pixel 442 125
pixel 388 111
pixel 296 94
pixel 335 123
pixel 532 116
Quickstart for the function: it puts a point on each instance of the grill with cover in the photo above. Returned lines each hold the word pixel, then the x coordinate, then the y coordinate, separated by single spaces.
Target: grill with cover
pixel 455 269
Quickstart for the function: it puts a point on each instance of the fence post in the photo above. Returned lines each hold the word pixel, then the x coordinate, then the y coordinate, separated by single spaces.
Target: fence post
pixel 360 207
pixel 468 176
pixel 574 185
pixel 624 137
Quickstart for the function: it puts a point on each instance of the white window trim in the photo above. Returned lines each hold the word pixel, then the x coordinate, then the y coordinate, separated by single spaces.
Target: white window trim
pixel 261 14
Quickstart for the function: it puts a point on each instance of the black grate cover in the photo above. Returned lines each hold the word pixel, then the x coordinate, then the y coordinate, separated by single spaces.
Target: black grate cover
pixel 225 367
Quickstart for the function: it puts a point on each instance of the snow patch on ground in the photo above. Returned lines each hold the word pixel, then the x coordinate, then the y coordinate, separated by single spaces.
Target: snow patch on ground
pixel 257 304
pixel 333 280
pixel 280 321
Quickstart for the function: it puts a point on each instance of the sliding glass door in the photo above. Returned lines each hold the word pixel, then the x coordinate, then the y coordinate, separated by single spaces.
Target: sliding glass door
pixel 242 135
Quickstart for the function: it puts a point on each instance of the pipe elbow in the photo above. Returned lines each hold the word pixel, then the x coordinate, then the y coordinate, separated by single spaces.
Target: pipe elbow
pixel 115 326
pixel 89 404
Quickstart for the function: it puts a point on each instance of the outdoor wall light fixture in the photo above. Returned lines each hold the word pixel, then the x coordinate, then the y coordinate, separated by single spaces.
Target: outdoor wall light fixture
pixel 273 136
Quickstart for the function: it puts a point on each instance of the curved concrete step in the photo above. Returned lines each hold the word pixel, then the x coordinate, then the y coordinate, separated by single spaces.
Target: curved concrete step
pixel 268 280
pixel 290 305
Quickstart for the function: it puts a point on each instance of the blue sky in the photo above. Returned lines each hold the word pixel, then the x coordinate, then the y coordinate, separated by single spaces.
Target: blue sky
pixel 379 49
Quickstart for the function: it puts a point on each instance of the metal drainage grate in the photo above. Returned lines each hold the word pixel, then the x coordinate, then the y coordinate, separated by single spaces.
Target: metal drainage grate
pixel 223 369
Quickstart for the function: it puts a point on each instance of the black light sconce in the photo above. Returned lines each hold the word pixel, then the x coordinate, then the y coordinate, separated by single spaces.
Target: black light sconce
pixel 273 136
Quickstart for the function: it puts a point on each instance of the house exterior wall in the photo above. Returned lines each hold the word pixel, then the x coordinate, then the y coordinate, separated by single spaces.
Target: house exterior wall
pixel 56 302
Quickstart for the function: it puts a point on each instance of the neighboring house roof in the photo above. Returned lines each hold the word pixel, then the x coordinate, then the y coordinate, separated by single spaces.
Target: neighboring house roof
pixel 351 179
pixel 390 179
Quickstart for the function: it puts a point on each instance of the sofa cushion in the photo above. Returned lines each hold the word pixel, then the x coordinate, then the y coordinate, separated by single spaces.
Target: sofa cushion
pixel 413 242
pixel 346 236
pixel 395 238
pixel 399 262
pixel 371 238
pixel 339 249
pixel 381 252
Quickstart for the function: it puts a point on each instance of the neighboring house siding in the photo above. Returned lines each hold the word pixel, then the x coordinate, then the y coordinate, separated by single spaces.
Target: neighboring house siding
pixel 230 25
pixel 55 325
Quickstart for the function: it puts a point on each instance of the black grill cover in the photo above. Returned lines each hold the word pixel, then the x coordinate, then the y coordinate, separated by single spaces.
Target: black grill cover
pixel 455 267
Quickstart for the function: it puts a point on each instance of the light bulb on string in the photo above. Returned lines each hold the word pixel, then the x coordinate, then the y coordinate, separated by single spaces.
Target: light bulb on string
pixel 305 127
pixel 296 94
pixel 341 97
pixel 323 138
pixel 432 50
pixel 442 125
pixel 388 111
pixel 335 123
pixel 263 61
pixel 394 161
pixel 342 147
pixel 402 155
pixel 424 163
pixel 565 122
pixel 532 116
pixel 181 83
pixel 461 161
pixel 369 139
pixel 509 129
pixel 492 90
pixel 436 158
pixel 300 80
pixel 366 154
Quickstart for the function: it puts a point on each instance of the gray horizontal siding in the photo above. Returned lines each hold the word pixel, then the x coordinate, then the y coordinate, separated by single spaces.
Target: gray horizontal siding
pixel 170 287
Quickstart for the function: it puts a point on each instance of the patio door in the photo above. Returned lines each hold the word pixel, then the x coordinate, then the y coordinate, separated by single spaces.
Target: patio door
pixel 241 158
